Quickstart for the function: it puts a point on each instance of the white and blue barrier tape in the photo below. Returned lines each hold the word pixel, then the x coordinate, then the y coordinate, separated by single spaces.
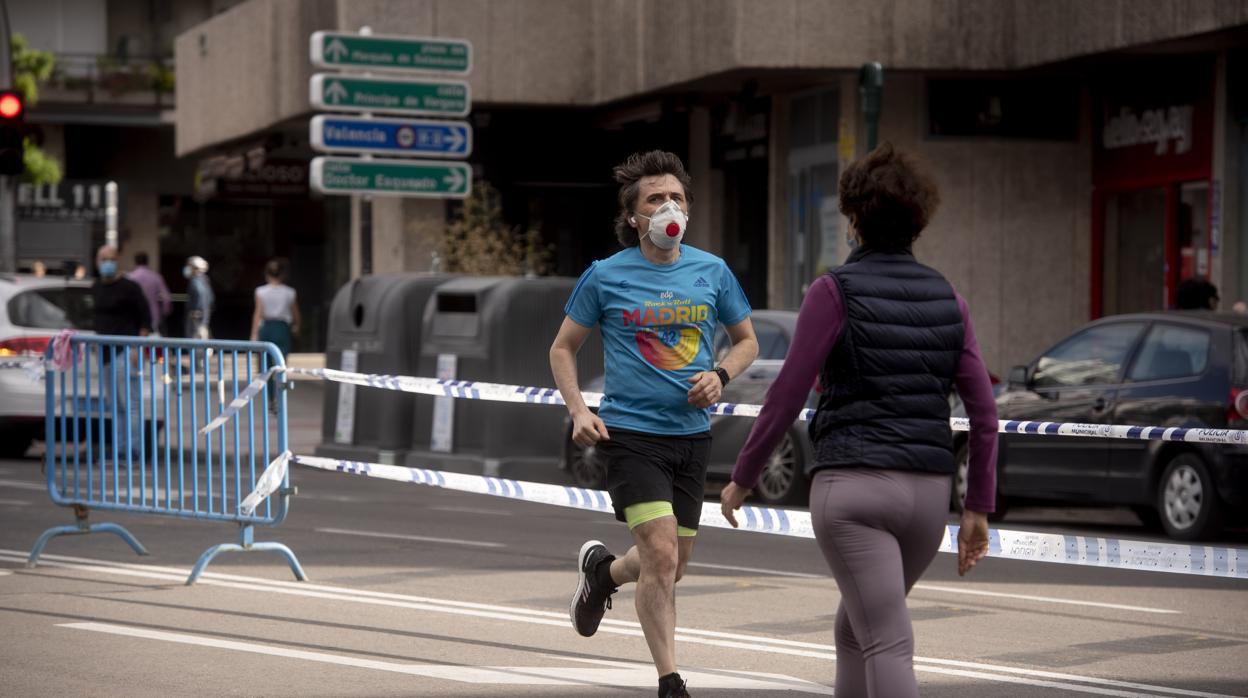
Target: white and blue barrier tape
pixel 238 403
pixel 474 390
pixel 1210 561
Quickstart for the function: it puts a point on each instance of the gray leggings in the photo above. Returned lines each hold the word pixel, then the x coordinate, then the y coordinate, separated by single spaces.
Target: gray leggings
pixel 879 530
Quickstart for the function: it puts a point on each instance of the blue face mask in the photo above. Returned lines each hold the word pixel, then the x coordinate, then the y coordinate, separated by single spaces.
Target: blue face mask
pixel 186 271
pixel 108 268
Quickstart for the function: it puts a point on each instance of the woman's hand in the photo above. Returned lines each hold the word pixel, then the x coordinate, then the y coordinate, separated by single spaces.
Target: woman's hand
pixel 972 540
pixel 730 500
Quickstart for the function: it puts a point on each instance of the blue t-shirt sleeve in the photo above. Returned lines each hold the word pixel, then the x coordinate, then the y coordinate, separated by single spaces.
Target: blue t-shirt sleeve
pixel 583 306
pixel 731 304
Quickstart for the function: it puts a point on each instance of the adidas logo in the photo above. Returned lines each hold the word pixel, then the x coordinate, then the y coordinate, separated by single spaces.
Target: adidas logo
pixel 700 283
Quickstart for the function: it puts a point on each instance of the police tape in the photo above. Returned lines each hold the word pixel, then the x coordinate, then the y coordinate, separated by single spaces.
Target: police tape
pixel 499 392
pixel 1211 561
pixel 241 400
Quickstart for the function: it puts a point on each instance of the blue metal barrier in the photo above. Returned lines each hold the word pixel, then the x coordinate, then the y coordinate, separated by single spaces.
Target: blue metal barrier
pixel 123 434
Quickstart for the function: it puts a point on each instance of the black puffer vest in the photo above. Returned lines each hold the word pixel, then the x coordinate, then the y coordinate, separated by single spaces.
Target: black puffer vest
pixel 886 382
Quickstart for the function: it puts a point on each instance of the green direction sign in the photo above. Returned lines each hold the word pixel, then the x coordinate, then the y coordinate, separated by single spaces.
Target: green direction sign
pixel 405 53
pixel 417 178
pixel 392 95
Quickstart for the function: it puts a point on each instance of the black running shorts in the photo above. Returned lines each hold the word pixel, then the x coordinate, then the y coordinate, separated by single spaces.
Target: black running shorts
pixel 649 468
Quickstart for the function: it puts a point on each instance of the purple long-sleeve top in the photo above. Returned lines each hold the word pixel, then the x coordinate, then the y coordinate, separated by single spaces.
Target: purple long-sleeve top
pixel 820 324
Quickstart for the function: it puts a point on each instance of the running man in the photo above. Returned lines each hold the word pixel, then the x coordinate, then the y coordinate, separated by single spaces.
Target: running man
pixel 658 303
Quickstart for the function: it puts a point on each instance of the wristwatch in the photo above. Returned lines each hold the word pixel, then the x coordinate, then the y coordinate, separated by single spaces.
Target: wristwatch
pixel 723 375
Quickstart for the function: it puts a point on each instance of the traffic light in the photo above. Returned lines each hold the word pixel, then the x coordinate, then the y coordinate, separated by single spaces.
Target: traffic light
pixel 12 133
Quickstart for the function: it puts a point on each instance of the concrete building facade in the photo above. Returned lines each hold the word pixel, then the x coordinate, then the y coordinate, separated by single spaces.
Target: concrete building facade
pixel 1089 154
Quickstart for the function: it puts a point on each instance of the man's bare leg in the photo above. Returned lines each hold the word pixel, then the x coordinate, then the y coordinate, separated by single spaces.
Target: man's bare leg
pixel 656 563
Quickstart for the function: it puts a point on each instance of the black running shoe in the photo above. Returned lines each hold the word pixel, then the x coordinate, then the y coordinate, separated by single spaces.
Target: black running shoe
pixel 672 686
pixel 591 600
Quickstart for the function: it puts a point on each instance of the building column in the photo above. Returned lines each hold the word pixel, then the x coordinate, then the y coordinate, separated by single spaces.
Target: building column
pixel 139 230
pixel 1225 268
pixel 703 232
pixel 423 220
pixel 779 263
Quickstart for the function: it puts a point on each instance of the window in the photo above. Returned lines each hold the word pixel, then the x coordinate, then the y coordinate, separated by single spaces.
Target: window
pixel 52 308
pixel 1092 357
pixel 1171 352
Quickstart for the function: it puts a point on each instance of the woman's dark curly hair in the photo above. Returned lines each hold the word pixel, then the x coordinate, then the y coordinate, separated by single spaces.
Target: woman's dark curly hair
pixel 629 175
pixel 889 198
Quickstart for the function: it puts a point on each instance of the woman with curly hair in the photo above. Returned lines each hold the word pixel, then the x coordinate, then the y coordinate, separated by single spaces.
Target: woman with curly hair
pixel 889 339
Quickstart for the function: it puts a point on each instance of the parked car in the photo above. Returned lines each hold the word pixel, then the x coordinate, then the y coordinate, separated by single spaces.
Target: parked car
pixel 32 310
pixel 1171 369
pixel 783 480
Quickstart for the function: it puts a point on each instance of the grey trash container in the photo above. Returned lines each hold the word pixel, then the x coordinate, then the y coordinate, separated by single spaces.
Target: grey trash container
pixel 500 330
pixel 380 318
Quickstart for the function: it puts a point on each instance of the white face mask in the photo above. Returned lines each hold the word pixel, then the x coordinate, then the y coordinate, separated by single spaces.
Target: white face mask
pixel 667 225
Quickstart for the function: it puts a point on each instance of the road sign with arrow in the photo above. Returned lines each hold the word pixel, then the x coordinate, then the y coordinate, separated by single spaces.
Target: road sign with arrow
pixel 419 178
pixel 393 53
pixel 336 92
pixel 353 134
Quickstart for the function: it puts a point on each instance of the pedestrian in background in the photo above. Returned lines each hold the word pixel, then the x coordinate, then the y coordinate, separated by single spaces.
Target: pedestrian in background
pixel 657 303
pixel 199 298
pixel 276 317
pixel 889 338
pixel 1196 294
pixel 159 303
pixel 120 308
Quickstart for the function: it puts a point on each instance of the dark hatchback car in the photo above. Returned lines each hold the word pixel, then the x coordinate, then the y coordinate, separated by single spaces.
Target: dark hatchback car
pixel 783 480
pixel 1171 369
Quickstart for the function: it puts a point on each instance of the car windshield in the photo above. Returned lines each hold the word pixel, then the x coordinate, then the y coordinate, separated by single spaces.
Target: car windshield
pixel 53 308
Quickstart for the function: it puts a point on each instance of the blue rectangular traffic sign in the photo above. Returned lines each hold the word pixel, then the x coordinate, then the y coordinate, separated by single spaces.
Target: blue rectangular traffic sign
pixel 415 137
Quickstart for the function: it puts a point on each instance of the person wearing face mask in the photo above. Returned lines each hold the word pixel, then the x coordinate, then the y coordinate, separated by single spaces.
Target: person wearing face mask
pixel 199 298
pixel 657 303
pixel 121 309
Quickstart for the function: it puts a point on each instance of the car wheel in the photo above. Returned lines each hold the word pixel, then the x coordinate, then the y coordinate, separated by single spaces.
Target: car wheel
pixel 957 493
pixel 783 480
pixel 1187 499
pixel 15 443
pixel 584 465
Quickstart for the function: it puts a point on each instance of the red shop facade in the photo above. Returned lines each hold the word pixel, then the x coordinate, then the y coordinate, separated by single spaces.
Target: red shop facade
pixel 1154 195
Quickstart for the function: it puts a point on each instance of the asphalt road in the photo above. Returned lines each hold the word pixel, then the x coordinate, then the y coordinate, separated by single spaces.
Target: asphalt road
pixel 417 591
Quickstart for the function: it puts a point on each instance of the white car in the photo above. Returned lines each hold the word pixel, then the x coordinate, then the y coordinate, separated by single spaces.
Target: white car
pixel 32 310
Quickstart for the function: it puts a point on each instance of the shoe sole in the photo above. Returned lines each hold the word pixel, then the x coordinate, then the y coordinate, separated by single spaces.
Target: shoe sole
pixel 580 584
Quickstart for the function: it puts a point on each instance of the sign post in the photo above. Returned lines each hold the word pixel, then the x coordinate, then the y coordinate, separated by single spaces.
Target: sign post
pixel 401 96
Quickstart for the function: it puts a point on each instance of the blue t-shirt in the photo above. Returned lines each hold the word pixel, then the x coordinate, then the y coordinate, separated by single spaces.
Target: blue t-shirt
pixel 658 324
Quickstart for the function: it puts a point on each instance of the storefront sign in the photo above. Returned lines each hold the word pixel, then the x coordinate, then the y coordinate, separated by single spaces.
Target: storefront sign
pixel 1158 126
pixel 68 200
pixel 1154 125
pixel 240 177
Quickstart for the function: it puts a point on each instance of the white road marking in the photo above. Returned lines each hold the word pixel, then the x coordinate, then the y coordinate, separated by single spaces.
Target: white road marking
pixel 24 485
pixel 1045 599
pixel 5 573
pixel 14 503
pixel 626 675
pixel 403 536
pixel 472 510
pixel 752 643
pixel 759 570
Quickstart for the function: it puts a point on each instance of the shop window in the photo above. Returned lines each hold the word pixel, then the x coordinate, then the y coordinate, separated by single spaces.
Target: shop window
pixel 1042 109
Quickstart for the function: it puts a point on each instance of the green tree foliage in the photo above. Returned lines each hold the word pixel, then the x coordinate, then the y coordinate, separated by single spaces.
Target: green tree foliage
pixel 30 68
pixel 476 241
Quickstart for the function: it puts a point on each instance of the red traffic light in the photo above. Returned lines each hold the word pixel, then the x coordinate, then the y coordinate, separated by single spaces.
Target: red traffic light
pixel 11 106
